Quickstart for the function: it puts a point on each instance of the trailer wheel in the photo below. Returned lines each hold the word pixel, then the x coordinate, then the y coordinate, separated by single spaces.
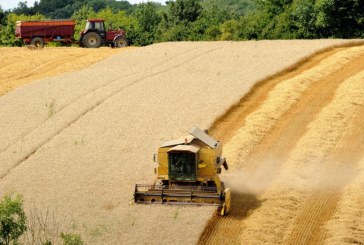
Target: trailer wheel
pixel 121 42
pixel 91 40
pixel 37 42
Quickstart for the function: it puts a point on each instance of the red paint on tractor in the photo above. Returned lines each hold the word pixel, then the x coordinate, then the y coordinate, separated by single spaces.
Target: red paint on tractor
pixel 39 33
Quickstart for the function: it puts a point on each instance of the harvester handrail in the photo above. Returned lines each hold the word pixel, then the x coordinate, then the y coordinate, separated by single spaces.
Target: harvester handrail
pixel 138 188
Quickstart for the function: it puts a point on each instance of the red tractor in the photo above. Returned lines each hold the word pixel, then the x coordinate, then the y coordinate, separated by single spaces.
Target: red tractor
pixel 96 35
pixel 38 33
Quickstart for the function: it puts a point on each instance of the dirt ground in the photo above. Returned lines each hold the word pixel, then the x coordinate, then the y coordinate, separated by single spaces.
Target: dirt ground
pixel 75 144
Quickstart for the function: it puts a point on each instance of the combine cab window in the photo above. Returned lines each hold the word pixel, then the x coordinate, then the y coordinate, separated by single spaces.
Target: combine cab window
pixel 182 166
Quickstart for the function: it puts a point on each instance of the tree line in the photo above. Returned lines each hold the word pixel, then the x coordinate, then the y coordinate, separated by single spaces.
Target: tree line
pixel 201 20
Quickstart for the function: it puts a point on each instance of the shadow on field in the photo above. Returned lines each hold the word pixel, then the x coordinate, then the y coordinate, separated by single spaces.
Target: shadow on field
pixel 242 205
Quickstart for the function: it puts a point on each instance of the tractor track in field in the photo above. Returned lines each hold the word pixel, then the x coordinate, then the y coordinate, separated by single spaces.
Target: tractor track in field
pixel 104 93
pixel 94 90
pixel 277 144
pixel 321 204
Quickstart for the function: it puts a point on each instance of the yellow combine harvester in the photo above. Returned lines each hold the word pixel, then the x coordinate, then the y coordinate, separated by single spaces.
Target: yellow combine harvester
pixel 188 173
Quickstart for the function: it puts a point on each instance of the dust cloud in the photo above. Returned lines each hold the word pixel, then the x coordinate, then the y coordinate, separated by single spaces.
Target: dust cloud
pixel 253 181
pixel 308 178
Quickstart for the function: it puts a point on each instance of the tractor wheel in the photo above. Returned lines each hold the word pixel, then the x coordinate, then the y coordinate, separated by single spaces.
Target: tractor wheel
pixel 37 42
pixel 121 42
pixel 91 40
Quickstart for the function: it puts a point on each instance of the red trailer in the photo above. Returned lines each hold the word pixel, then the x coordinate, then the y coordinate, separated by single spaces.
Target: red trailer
pixel 38 33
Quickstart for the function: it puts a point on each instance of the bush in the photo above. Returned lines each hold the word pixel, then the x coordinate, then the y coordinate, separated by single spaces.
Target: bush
pixel 229 29
pixel 71 239
pixel 41 229
pixel 12 219
pixel 148 20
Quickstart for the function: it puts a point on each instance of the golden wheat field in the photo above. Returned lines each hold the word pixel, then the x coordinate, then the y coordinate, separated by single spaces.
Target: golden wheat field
pixel 20 66
pixel 288 112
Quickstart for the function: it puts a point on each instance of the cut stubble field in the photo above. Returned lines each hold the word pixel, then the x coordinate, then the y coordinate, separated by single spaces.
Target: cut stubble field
pixel 77 143
pixel 296 150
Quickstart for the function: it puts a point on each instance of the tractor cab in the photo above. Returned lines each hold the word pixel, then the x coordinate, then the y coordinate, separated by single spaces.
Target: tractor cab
pixel 96 25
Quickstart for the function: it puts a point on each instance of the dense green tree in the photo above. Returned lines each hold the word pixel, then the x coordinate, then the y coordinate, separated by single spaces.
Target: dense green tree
pixel 2 16
pixel 179 32
pixel 248 27
pixel 65 12
pixel 343 19
pixel 23 8
pixel 182 11
pixel 285 19
pixel 58 9
pixel 54 8
pixel 273 7
pixel 121 20
pixel 122 5
pixel 229 30
pixel 278 19
pixel 272 18
pixel 207 26
pixel 148 21
pixel 7 36
pixel 80 17
pixel 177 22
pixel 147 16
pixel 202 19
pixel 234 8
pixel 303 18
pixel 12 220
pixel 97 5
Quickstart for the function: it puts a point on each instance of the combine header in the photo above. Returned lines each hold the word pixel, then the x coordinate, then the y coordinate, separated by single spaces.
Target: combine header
pixel 188 174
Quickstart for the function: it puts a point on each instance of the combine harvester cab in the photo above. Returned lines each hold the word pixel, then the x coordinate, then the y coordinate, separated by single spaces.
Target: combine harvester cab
pixel 188 174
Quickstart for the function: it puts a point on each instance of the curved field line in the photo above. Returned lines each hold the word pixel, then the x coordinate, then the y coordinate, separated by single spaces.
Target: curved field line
pixel 226 125
pixel 321 204
pixel 310 167
pixel 278 142
pixel 55 126
pixel 346 225
pixel 97 88
pixel 224 129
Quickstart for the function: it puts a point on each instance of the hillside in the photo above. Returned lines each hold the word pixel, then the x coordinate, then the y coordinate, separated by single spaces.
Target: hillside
pixel 76 144
pixel 294 150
